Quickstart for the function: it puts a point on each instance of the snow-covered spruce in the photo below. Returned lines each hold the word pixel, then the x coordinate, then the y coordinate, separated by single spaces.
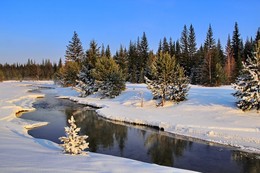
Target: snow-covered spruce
pixel 86 82
pixel 73 143
pixel 247 85
pixel 169 81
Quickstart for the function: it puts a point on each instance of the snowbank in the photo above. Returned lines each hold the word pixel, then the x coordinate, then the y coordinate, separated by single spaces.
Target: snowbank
pixel 19 152
pixel 209 114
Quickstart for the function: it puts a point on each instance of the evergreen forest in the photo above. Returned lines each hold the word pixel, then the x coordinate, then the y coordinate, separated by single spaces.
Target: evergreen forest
pixel 209 64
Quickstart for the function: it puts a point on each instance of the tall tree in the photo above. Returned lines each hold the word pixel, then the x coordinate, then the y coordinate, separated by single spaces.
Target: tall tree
pixel 229 63
pixel 192 49
pixel 144 55
pixel 165 46
pixel 108 52
pixel 237 49
pixel 132 65
pixel 74 50
pixel 209 47
pixel 92 54
pixel 184 48
pixel 121 59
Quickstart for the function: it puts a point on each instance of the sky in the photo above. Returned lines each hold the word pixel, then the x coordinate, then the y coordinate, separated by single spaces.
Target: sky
pixel 41 29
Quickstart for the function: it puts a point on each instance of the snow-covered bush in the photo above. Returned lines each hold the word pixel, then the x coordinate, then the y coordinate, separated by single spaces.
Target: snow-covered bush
pixel 247 85
pixel 72 142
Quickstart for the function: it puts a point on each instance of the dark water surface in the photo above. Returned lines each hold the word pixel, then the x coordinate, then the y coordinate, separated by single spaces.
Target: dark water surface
pixel 135 142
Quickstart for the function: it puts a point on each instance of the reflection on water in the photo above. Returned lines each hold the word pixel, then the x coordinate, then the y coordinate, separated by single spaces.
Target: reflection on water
pixel 135 142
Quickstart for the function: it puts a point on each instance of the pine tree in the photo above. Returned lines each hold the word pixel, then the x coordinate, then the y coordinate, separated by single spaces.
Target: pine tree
pixel 171 47
pixel 247 85
pixel 165 46
pixel 109 78
pixel 74 50
pixel 86 82
pixel 257 37
pixel 192 49
pixel 208 67
pixel 1 76
pixel 229 63
pixel 121 59
pixel 237 49
pixel 169 81
pixel 108 52
pixel 92 54
pixel 132 65
pixel 185 49
pixel 142 48
pixel 73 143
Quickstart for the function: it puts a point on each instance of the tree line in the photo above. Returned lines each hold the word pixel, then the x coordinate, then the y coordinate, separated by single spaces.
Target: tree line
pixel 209 64
pixel 30 71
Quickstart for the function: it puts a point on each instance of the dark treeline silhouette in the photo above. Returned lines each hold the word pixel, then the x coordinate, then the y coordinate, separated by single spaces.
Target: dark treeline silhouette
pixel 29 71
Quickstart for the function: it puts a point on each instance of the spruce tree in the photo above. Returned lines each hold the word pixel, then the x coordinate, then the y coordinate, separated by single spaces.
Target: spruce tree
pixel 86 82
pixel 169 81
pixel 237 49
pixel 92 54
pixel 192 50
pixel 121 59
pixel 132 65
pixel 108 77
pixel 247 85
pixel 74 50
pixel 143 53
pixel 185 49
pixel 73 143
pixel 229 63
pixel 208 66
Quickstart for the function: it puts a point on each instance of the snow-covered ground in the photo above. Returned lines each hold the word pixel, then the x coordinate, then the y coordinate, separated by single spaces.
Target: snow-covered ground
pixel 209 114
pixel 19 152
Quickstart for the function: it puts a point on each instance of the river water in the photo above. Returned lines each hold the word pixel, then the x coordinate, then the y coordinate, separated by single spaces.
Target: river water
pixel 137 142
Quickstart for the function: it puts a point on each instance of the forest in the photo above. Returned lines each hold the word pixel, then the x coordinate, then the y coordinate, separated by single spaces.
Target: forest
pixel 209 64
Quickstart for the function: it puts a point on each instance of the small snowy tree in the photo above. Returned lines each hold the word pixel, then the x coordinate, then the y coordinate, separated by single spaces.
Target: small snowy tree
pixel 86 82
pixel 248 83
pixel 169 81
pixel 73 143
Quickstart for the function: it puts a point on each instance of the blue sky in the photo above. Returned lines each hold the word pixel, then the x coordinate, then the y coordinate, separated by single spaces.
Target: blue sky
pixel 41 29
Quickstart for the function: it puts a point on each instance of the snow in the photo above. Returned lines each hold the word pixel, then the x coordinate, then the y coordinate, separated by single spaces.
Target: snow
pixel 209 114
pixel 19 152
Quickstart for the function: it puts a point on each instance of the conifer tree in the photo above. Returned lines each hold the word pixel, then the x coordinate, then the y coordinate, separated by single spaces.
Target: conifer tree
pixel 247 85
pixel 121 59
pixel 143 49
pixel 230 63
pixel 171 47
pixel 73 143
pixel 132 65
pixel 74 50
pixel 92 54
pixel 237 49
pixel 184 49
pixel 1 76
pixel 109 78
pixel 208 67
pixel 169 81
pixel 86 82
pixel 192 49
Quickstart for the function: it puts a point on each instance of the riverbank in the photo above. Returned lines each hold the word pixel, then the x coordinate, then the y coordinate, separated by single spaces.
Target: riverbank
pixel 209 114
pixel 19 152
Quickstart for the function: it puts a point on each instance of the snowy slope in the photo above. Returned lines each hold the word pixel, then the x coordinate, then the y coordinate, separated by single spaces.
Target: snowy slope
pixel 209 114
pixel 19 152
